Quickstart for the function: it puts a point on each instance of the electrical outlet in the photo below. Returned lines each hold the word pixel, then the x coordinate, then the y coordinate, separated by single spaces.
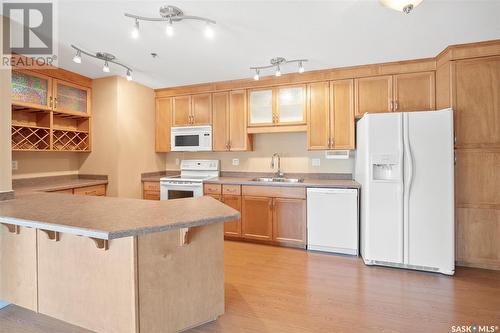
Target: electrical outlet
pixel 316 162
pixel 14 165
pixel 236 161
pixel 177 161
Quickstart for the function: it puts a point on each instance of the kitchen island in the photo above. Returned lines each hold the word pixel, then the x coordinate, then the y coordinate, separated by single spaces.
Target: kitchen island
pixel 113 264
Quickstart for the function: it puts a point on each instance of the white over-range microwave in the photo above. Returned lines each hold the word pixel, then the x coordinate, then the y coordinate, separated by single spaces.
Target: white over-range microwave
pixel 191 138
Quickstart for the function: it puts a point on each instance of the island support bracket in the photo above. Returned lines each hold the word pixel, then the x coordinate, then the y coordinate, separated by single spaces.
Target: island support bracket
pixel 12 228
pixel 183 236
pixel 53 235
pixel 101 243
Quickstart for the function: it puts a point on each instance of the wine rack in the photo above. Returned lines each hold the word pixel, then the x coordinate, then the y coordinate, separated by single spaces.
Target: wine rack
pixel 30 138
pixel 70 141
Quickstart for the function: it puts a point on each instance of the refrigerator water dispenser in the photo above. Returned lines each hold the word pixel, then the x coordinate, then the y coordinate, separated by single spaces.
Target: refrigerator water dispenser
pixel 386 167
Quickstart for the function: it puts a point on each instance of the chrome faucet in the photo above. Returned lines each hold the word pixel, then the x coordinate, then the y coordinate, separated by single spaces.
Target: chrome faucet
pixel 279 174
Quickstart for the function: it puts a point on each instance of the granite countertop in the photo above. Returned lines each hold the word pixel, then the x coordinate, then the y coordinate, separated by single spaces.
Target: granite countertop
pixel 109 217
pixel 308 182
pixel 50 184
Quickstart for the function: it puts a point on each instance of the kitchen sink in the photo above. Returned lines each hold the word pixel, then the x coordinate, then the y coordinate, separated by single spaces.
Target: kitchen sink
pixel 278 180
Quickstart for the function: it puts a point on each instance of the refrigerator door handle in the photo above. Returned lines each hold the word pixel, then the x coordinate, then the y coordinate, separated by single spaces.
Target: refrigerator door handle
pixel 407 185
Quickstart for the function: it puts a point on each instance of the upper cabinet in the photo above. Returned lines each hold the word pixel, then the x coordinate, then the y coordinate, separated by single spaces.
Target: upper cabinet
pixel 401 92
pixel 277 109
pixel 229 121
pixel 49 114
pixel 163 124
pixel 331 115
pixel 71 98
pixel 414 92
pixel 373 94
pixel 192 110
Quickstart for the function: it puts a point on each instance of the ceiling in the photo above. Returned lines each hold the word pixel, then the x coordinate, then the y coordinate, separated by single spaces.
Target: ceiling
pixel 328 33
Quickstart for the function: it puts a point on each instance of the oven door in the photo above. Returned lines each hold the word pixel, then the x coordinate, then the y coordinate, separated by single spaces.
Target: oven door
pixel 178 191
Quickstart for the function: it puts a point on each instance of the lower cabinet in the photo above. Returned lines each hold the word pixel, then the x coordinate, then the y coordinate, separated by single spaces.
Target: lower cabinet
pixel 257 218
pixel 151 190
pixel 95 190
pixel 289 221
pixel 270 214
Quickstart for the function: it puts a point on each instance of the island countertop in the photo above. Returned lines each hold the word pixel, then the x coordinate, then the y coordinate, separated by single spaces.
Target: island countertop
pixel 110 218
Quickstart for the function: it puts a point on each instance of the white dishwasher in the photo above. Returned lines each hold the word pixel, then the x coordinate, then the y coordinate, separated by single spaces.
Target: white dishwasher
pixel 332 220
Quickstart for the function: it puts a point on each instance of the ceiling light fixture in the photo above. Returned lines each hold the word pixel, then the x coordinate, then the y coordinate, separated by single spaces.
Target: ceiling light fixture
pixel 135 30
pixel 78 57
pixel 172 14
pixel 405 6
pixel 106 57
pixel 277 63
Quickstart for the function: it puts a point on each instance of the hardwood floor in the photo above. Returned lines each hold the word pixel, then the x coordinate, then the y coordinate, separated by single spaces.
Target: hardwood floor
pixel 278 290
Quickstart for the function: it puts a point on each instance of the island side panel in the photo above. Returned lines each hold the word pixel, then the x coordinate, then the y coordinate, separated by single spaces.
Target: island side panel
pixel 180 286
pixel 18 274
pixel 86 286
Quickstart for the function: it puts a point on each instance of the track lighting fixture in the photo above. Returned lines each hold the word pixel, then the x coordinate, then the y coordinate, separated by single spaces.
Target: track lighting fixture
pixel 78 57
pixel 106 57
pixel 172 14
pixel 277 63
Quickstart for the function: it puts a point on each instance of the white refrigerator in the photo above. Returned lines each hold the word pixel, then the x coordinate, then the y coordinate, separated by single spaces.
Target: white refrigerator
pixel 405 165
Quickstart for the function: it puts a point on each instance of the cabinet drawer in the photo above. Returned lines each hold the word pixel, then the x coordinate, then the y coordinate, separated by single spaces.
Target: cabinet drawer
pixel 275 191
pixel 151 195
pixel 96 190
pixel 211 188
pixel 231 189
pixel 151 186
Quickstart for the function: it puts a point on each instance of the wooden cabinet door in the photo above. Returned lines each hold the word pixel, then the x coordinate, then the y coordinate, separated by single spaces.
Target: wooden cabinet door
pixel 163 124
pixel 477 103
pixel 31 90
pixel 342 114
pixel 257 218
pixel 181 114
pixel 220 121
pixel 239 139
pixel 201 109
pixel 289 221
pixel 233 228
pixel 71 98
pixel 415 92
pixel 318 108
pixel 373 94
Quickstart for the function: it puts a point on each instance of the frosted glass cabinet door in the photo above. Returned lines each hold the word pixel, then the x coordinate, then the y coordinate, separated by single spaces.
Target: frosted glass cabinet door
pixel 71 98
pixel 31 90
pixel 292 104
pixel 261 107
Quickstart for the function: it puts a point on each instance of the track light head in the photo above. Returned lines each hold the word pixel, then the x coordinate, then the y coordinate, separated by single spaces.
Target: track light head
pixel 209 31
pixel 169 30
pixel 278 71
pixel 78 57
pixel 105 68
pixel 256 77
pixel 129 75
pixel 301 67
pixel 135 30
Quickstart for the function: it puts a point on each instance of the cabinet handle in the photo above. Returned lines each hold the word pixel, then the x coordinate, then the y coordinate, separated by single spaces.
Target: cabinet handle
pixel 396 105
pixel 55 103
pixel 332 142
pixel 391 106
pixel 50 101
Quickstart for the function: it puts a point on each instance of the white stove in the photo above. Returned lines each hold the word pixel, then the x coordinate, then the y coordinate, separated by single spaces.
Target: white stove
pixel 190 181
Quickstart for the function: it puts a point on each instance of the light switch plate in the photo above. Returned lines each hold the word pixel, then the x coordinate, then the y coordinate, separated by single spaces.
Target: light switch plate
pixel 177 161
pixel 236 161
pixel 14 165
pixel 316 162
